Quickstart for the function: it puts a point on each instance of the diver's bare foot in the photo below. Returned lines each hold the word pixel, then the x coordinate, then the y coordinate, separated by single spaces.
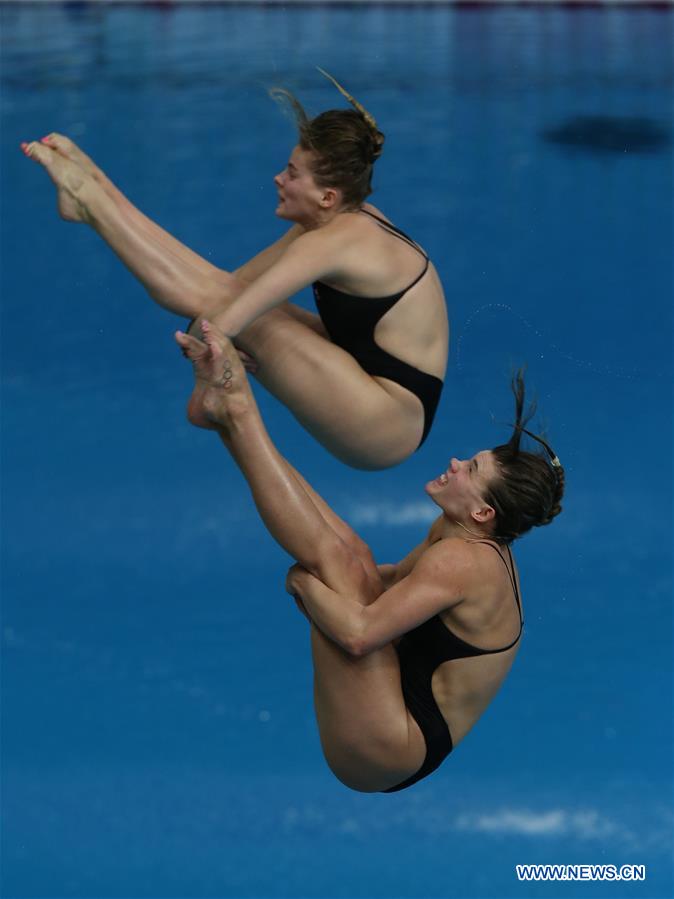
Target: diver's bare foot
pixel 69 179
pixel 221 388
pixel 196 351
pixel 67 148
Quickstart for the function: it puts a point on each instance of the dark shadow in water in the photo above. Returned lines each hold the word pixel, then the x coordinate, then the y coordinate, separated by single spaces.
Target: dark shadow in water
pixel 610 134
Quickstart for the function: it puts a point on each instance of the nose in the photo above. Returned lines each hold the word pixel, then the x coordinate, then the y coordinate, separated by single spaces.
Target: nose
pixel 278 179
pixel 454 466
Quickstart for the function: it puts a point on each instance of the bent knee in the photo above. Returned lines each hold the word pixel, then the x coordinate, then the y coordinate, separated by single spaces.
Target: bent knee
pixel 357 545
pixel 357 783
pixel 367 776
pixel 361 776
pixel 361 551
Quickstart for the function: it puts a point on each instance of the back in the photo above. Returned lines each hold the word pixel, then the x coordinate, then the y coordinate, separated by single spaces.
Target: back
pixel 466 652
pixel 386 267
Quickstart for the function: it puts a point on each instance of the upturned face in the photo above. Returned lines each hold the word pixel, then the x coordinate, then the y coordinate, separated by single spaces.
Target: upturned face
pixel 300 198
pixel 460 490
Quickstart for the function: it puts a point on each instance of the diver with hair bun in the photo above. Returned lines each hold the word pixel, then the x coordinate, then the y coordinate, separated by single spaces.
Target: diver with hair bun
pixel 363 376
pixel 406 657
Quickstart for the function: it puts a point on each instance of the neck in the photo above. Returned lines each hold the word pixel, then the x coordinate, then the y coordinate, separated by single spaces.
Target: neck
pixel 321 217
pixel 450 527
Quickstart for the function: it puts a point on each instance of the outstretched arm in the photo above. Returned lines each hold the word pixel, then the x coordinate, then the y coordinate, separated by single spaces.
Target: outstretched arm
pixel 309 257
pixel 263 261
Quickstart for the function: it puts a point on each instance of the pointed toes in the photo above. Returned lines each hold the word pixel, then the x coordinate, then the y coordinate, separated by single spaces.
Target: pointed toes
pixel 38 152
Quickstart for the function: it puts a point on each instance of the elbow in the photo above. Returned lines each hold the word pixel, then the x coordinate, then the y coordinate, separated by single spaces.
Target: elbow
pixel 357 644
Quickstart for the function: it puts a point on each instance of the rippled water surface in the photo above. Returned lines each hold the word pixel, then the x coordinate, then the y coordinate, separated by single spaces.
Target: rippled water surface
pixel 158 737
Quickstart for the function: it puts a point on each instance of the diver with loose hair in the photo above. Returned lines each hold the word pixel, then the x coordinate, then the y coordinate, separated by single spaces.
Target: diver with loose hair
pixel 406 657
pixel 363 376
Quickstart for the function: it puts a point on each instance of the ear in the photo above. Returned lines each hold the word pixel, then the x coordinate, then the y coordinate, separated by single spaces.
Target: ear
pixel 484 515
pixel 329 197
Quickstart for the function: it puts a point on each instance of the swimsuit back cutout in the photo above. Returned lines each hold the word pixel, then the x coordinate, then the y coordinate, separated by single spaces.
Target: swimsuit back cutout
pixel 420 653
pixel 351 320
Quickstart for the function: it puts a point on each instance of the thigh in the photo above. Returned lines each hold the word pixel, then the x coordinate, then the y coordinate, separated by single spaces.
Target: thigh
pixel 369 739
pixel 367 422
pixel 302 315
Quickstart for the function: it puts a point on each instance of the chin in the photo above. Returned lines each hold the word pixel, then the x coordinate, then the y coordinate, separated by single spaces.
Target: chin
pixel 282 214
pixel 431 490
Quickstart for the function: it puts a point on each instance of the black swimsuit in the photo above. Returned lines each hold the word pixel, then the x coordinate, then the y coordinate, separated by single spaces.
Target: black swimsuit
pixel 420 652
pixel 351 320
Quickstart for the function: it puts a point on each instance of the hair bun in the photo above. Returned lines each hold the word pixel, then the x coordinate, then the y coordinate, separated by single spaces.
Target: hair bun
pixel 558 493
pixel 373 144
pixel 377 145
pixel 373 152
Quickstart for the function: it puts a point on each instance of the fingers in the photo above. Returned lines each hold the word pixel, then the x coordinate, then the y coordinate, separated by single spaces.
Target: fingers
pixel 290 577
pixel 212 337
pixel 295 572
pixel 212 333
pixel 293 577
pixel 222 348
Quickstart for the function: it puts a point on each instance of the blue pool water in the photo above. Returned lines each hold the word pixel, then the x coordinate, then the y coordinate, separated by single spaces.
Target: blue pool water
pixel 157 734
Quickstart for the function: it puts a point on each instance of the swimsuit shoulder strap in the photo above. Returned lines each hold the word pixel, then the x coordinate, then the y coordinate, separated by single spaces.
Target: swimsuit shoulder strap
pixel 392 229
pixel 511 572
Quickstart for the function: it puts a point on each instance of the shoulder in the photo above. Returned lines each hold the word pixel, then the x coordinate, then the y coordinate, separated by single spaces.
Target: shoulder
pixel 355 223
pixel 320 251
pixel 368 207
pixel 448 551
pixel 341 231
pixel 468 566
pixel 449 559
pixel 334 243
